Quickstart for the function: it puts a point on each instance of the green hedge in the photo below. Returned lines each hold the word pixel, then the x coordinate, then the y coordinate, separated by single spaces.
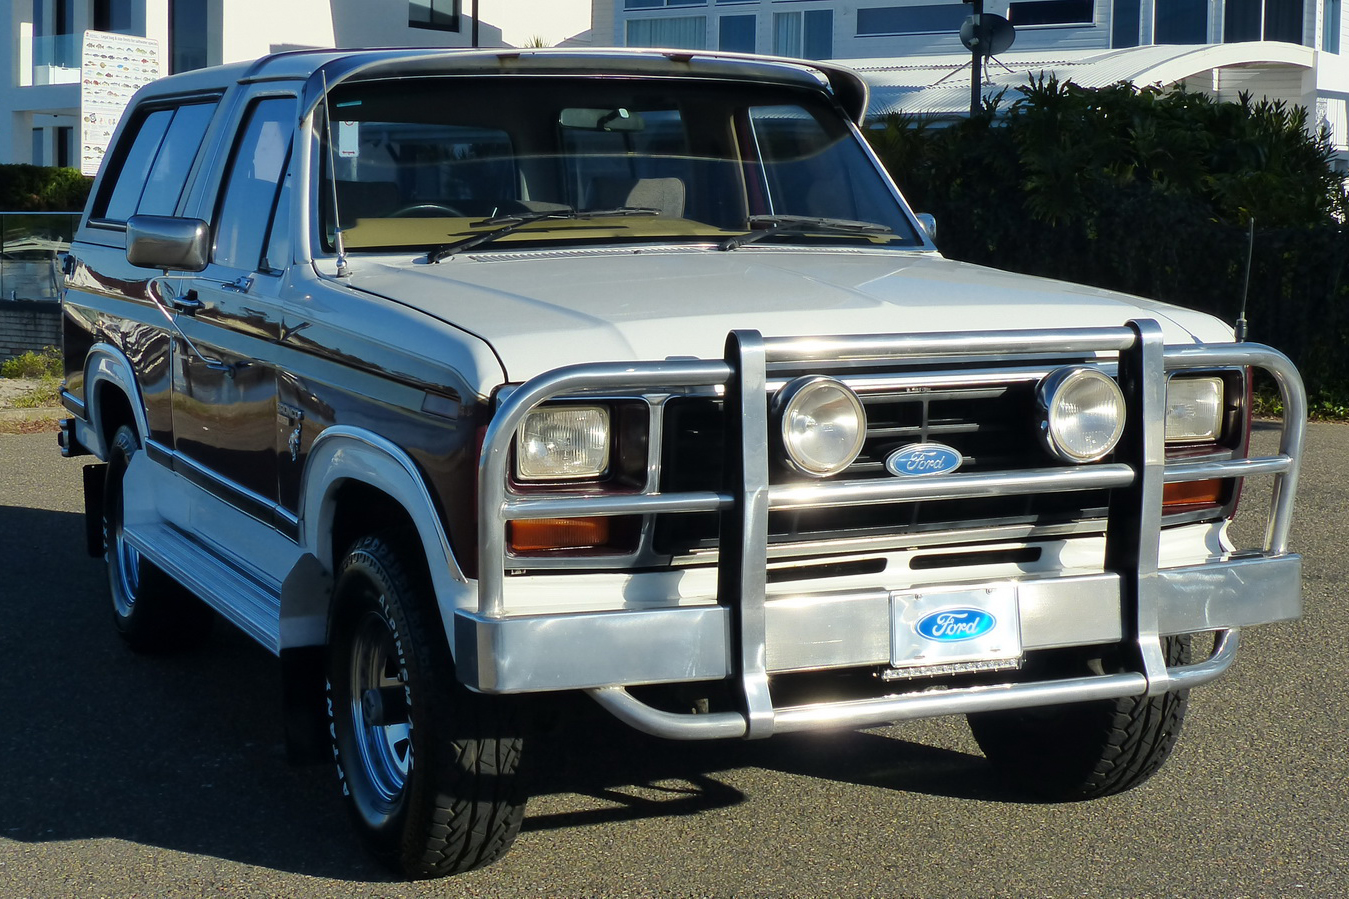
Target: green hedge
pixel 35 188
pixel 1151 192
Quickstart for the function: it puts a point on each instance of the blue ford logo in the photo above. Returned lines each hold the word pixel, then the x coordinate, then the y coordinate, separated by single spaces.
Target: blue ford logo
pixel 919 459
pixel 954 625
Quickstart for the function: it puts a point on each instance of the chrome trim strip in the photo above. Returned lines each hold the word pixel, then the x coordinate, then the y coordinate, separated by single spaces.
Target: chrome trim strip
pixel 948 343
pixel 871 492
pixel 534 507
pixel 1226 468
pixel 252 504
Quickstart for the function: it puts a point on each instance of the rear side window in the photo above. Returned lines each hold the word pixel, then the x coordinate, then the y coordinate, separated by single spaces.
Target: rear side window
pixel 151 176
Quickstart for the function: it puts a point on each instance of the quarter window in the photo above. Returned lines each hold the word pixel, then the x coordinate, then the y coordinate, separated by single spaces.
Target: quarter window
pixel 150 177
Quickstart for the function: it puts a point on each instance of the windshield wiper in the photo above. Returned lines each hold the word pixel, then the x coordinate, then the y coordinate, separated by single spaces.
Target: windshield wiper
pixel 501 225
pixel 799 224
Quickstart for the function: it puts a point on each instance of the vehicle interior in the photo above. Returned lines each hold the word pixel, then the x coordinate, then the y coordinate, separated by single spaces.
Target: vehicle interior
pixel 427 162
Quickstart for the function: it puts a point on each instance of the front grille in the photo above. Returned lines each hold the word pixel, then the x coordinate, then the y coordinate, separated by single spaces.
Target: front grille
pixel 992 426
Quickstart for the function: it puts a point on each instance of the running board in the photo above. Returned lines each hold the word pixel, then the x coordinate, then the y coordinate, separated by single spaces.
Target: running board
pixel 249 599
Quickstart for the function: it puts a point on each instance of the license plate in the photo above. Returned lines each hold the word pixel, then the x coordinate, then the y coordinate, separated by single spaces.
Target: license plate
pixel 954 625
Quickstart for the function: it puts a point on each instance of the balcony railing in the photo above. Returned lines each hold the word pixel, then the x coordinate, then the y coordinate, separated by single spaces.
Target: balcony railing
pixel 56 58
pixel 31 247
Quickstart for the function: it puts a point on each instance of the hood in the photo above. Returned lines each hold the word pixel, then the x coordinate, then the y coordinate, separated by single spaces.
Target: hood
pixel 540 310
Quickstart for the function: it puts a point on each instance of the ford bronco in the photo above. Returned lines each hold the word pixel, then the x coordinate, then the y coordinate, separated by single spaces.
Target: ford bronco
pixel 457 379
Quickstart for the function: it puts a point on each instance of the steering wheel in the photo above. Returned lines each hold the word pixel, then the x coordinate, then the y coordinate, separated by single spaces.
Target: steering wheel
pixel 425 210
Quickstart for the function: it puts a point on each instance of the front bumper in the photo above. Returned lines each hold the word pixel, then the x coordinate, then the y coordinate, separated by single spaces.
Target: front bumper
pixel 748 634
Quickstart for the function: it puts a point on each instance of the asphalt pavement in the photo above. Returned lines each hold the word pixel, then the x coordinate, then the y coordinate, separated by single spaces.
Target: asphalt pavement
pixel 126 776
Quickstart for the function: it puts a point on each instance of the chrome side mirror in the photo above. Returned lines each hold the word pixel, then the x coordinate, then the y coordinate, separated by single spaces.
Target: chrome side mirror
pixel 167 242
pixel 929 223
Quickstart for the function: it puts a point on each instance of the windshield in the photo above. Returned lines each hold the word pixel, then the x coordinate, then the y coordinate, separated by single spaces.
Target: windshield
pixel 438 163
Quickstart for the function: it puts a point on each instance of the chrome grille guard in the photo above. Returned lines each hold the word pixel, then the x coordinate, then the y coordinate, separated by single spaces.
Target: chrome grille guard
pixel 1139 470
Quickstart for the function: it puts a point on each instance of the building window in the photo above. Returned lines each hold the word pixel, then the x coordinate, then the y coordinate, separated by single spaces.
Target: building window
pixel 1270 20
pixel 1052 12
pixel 660 4
pixel 1283 21
pixel 1124 23
pixel 807 35
pixel 683 33
pixel 187 35
pixel 440 15
pixel 39 157
pixel 1181 22
pixel 887 20
pixel 65 139
pixel 1330 27
pixel 736 33
pixel 112 15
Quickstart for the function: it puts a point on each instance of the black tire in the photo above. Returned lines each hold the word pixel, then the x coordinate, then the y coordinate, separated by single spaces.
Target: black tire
pixel 1086 750
pixel 431 770
pixel 152 612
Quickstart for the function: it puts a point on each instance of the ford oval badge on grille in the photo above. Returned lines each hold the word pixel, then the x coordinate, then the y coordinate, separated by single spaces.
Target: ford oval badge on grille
pixel 920 459
pixel 954 625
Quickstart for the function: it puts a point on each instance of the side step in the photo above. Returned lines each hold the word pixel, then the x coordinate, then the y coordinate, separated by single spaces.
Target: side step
pixel 246 597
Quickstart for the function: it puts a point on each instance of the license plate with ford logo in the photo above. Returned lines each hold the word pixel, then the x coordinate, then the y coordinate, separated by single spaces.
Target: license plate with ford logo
pixel 948 626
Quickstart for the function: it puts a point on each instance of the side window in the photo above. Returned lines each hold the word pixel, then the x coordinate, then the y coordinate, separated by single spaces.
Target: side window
pixel 129 180
pixel 168 175
pixel 248 195
pixel 151 176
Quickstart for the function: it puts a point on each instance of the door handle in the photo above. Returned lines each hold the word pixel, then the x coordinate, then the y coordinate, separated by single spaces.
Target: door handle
pixel 188 303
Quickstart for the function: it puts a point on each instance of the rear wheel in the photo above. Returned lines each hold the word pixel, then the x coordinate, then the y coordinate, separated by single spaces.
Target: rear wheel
pixel 152 612
pixel 430 769
pixel 1090 749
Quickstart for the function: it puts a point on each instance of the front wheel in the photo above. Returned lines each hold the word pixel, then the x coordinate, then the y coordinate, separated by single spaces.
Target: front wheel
pixel 1090 749
pixel 429 768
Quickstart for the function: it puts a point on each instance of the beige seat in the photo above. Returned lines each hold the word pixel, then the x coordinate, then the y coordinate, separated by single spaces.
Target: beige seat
pixel 664 194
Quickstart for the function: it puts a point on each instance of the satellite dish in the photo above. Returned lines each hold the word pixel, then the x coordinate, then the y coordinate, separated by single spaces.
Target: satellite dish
pixel 987 34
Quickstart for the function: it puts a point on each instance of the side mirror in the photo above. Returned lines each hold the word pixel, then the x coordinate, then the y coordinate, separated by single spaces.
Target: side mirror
pixel 929 223
pixel 167 242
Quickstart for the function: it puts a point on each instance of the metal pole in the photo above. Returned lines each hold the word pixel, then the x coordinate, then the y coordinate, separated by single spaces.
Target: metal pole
pixel 474 13
pixel 976 61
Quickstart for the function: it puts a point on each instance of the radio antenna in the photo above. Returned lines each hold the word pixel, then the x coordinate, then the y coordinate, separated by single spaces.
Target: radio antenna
pixel 343 269
pixel 1241 326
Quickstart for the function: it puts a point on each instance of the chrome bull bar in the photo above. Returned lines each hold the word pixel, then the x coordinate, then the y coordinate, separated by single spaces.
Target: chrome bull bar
pixel 495 650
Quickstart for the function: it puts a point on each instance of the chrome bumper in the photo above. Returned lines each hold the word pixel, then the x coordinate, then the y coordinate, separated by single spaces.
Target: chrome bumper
pixel 746 636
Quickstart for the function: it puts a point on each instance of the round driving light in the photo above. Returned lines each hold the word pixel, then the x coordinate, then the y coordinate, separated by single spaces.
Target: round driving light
pixel 822 425
pixel 1083 414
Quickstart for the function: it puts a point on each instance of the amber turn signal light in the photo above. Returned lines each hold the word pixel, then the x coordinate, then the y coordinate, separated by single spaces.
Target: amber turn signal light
pixel 1192 494
pixel 546 534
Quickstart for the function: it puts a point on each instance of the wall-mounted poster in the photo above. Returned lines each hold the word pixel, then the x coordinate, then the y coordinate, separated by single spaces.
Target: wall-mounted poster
pixel 112 68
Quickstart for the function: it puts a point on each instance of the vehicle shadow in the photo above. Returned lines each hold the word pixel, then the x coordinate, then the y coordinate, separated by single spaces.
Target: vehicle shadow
pixel 185 752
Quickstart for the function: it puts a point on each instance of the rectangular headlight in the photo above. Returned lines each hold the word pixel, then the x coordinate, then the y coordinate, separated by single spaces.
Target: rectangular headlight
pixel 563 443
pixel 1194 409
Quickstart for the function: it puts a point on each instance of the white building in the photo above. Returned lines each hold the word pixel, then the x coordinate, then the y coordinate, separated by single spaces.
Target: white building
pixel 40 61
pixel 910 52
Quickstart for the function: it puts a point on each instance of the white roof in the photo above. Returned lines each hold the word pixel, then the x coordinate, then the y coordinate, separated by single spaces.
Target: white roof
pixel 936 85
